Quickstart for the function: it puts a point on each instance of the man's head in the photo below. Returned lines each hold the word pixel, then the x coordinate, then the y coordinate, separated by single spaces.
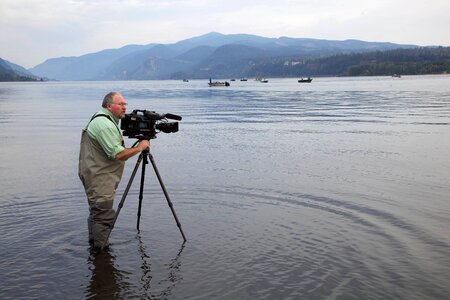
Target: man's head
pixel 115 103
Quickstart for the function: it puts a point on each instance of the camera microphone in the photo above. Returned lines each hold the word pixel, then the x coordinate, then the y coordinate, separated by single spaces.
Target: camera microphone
pixel 155 116
pixel 173 117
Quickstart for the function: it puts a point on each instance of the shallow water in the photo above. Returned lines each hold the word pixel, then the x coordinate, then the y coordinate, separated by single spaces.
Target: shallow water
pixel 336 189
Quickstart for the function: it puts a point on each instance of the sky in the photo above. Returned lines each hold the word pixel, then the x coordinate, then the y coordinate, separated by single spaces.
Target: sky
pixel 32 31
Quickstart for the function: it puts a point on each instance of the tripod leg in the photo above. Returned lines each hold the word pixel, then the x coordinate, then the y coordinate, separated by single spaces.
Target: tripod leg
pixel 141 189
pixel 167 195
pixel 123 198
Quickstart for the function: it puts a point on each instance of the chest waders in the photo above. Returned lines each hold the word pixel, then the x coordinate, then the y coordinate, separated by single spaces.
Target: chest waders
pixel 100 177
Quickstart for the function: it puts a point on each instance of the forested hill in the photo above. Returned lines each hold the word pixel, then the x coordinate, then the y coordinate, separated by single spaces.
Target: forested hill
pixel 416 61
pixel 13 72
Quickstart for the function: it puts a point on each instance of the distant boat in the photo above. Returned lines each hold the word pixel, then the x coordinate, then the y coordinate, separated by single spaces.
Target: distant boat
pixel 185 80
pixel 397 75
pixel 305 80
pixel 243 79
pixel 218 83
pixel 233 79
pixel 260 79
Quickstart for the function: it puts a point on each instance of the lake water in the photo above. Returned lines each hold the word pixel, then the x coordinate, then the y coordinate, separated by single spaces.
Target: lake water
pixel 338 189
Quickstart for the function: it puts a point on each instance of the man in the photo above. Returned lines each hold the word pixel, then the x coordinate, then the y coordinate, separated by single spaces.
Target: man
pixel 101 164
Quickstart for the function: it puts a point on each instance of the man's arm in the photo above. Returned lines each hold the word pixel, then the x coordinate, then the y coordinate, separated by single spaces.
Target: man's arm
pixel 129 152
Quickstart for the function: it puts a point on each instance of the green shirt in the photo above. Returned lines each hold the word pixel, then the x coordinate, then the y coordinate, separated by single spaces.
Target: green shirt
pixel 106 133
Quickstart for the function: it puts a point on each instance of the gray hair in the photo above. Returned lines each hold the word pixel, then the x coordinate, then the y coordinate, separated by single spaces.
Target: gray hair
pixel 109 99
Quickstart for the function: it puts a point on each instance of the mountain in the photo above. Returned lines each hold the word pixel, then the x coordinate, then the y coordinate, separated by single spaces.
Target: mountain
pixel 151 63
pixel 230 60
pixel 12 72
pixel 210 55
pixel 85 67
pixel 196 54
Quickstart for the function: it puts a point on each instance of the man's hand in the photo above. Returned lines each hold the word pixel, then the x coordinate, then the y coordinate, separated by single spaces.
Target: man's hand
pixel 129 152
pixel 143 145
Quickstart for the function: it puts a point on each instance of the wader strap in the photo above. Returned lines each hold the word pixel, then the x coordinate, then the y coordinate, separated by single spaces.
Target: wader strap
pixel 103 115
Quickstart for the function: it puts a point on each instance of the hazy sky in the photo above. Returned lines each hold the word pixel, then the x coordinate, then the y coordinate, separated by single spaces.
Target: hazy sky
pixel 32 31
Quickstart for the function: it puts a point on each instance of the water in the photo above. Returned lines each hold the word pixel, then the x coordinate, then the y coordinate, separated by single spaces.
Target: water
pixel 336 189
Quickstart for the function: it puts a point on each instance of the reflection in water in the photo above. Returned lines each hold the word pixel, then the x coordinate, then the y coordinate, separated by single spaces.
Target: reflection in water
pixel 172 279
pixel 145 267
pixel 108 282
pixel 174 276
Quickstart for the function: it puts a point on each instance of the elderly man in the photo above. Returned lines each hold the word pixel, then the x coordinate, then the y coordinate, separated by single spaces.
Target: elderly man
pixel 101 164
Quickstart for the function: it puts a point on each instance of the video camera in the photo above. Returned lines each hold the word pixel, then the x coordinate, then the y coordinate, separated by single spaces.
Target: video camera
pixel 144 124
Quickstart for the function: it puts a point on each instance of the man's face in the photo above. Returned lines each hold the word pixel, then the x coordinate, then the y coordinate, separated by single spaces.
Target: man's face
pixel 119 107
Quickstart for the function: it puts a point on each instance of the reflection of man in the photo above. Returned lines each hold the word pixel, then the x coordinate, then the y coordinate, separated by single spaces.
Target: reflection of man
pixel 101 163
pixel 105 280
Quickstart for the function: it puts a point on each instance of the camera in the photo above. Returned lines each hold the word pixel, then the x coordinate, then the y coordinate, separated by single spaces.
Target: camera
pixel 145 124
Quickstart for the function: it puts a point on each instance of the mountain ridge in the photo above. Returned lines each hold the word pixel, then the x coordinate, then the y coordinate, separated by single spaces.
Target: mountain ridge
pixel 169 61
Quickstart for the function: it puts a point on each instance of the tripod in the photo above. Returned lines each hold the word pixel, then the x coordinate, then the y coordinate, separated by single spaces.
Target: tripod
pixel 143 156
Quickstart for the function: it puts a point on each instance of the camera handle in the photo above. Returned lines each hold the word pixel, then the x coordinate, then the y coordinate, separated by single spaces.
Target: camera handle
pixel 144 155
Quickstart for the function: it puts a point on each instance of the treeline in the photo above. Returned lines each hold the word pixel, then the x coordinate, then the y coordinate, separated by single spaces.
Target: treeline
pixel 5 76
pixel 406 68
pixel 8 74
pixel 415 61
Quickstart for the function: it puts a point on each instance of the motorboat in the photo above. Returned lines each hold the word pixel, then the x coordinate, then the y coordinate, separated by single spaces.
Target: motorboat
pixel 305 80
pixel 218 83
